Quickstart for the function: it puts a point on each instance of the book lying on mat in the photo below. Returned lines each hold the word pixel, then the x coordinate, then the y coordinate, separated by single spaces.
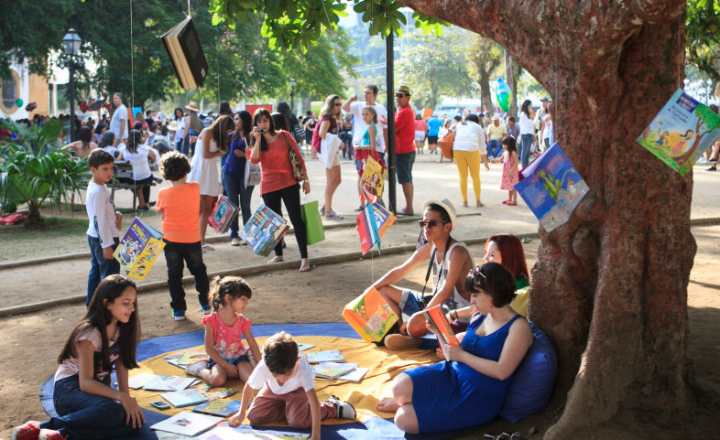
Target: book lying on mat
pixel 139 380
pixel 355 375
pixel 264 230
pixel 552 187
pixel 302 346
pixel 138 249
pixel 180 399
pixel 183 47
pixel 183 359
pixel 324 356
pixel 681 131
pixel 222 215
pixel 187 423
pixel 213 393
pixel 437 319
pixel 370 316
pixel 219 407
pixel 225 432
pixel 333 370
pixel 170 383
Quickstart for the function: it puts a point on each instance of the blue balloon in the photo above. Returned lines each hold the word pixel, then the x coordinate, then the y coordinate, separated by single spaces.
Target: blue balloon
pixel 502 93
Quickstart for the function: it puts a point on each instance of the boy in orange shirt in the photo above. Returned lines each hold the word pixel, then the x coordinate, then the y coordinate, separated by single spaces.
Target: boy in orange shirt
pixel 180 208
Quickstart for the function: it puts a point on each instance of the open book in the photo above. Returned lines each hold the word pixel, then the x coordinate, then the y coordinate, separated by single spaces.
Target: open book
pixel 437 319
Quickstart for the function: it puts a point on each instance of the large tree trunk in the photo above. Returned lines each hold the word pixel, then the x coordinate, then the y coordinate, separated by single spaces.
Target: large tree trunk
pixel 485 97
pixel 610 286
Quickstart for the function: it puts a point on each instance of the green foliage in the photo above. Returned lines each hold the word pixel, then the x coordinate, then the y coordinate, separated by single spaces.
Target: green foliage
pixel 34 170
pixel 703 37
pixel 436 67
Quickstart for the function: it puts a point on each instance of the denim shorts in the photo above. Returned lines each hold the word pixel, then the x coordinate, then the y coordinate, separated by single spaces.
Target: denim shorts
pixel 243 358
pixel 404 165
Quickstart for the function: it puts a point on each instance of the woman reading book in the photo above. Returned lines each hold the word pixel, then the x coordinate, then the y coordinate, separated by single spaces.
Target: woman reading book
pixel 469 388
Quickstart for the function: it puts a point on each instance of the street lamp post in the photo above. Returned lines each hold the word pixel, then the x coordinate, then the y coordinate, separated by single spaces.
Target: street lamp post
pixel 292 93
pixel 71 45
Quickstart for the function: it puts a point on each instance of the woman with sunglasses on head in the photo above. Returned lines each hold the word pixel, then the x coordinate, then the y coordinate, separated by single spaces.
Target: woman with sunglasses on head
pixel 329 119
pixel 278 184
pixel 469 388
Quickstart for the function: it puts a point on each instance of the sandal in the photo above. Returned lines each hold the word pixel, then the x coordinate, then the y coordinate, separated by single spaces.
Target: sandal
pixel 505 202
pixel 305 265
pixel 479 204
pixel 464 204
pixel 512 203
pixel 276 259
pixel 207 247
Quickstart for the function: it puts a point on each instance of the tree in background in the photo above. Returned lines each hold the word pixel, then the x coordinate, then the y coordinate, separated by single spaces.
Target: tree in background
pixel 485 58
pixel 435 67
pixel 703 37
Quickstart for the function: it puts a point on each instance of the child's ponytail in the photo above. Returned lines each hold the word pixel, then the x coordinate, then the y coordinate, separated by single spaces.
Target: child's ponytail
pixel 229 285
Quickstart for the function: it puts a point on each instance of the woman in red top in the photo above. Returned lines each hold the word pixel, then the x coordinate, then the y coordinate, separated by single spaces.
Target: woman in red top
pixel 277 183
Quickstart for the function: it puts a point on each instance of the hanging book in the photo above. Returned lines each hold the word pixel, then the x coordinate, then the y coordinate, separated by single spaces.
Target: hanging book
pixel 183 46
pixel 551 187
pixel 138 249
pixel 372 224
pixel 372 180
pixel 681 131
pixel 222 215
pixel 370 316
pixel 264 230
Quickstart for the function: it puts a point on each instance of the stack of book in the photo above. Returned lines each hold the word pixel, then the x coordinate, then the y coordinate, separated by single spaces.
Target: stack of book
pixel 340 371
pixel 183 360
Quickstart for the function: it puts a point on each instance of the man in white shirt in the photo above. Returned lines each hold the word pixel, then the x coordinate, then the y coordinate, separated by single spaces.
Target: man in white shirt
pixel 359 126
pixel 118 123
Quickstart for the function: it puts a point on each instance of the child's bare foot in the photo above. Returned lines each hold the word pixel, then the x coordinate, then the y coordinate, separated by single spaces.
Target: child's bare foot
pixel 387 404
pixel 276 259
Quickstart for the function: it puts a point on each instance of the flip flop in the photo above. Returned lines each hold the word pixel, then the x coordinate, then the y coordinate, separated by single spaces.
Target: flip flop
pixel 208 247
pixel 479 204
pixel 505 202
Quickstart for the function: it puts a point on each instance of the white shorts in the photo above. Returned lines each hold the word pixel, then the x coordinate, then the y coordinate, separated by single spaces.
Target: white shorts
pixel 419 135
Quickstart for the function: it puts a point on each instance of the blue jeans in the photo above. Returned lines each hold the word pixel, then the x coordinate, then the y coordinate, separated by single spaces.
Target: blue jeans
pixel 239 196
pixel 494 149
pixel 85 416
pixel 527 140
pixel 99 266
pixel 175 255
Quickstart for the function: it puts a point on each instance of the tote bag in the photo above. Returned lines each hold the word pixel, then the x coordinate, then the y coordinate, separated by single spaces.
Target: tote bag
pixel 253 173
pixel 313 222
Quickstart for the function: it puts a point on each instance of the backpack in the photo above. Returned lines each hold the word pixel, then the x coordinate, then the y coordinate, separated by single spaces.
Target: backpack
pixel 316 141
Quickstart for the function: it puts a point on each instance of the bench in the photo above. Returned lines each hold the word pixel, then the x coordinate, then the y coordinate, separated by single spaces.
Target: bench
pixel 123 169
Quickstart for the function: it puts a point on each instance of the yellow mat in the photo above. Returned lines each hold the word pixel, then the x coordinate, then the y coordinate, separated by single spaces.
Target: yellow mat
pixel 383 366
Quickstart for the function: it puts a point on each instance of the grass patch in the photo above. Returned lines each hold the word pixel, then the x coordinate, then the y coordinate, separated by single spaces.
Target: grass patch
pixel 60 236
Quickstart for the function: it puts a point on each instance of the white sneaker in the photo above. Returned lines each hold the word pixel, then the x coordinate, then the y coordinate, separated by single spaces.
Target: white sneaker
pixel 196 368
pixel 235 241
pixel 343 409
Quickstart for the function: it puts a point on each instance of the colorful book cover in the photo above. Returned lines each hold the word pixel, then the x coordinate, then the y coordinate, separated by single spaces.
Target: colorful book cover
pixel 215 393
pixel 192 357
pixel 219 407
pixel 437 319
pixel 324 356
pixel 332 370
pixel 355 375
pixel 180 399
pixel 370 316
pixel 372 224
pixel 222 215
pixel 138 249
pixel 681 131
pixel 264 230
pixel 170 383
pixel 302 346
pixel 187 423
pixel 552 187
pixel 372 180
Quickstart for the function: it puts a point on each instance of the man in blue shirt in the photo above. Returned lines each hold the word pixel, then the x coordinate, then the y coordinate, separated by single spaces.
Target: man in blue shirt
pixel 433 125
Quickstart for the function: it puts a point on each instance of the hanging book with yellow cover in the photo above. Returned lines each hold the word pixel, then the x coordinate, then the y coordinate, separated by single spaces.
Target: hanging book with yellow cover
pixel 370 316
pixel 138 249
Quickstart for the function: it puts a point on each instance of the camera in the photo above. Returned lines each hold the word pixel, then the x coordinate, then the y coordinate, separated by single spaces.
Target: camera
pixel 262 131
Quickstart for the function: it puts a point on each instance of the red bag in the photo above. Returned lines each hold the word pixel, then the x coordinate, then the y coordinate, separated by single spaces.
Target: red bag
pixel 12 219
pixel 316 138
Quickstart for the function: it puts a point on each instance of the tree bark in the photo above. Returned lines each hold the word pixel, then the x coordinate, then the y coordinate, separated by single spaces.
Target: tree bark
pixel 610 286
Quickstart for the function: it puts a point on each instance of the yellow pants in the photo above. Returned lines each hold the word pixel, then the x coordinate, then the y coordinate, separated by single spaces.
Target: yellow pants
pixel 468 160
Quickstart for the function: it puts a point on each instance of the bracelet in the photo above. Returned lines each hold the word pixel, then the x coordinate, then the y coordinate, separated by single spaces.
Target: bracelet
pixel 456 314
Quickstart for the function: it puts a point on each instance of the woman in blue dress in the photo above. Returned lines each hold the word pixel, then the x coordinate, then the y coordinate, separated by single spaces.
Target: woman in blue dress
pixel 469 388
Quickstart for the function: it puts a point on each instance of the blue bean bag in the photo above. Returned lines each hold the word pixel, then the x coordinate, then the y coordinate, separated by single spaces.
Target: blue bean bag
pixel 532 383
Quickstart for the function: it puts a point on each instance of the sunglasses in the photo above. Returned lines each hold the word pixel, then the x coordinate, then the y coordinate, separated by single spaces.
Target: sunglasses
pixel 399 95
pixel 338 104
pixel 430 224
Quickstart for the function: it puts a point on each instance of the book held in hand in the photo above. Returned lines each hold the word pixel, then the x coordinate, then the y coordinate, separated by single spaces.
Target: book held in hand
pixel 219 407
pixel 437 319
pixel 370 316
pixel 681 131
pixel 264 230
pixel 552 187
pixel 138 249
pixel 222 215
pixel 187 423
pixel 183 46
pixel 180 399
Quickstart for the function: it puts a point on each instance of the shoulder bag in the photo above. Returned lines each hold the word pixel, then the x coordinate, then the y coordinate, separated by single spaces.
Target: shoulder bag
pixel 298 170
pixel 446 144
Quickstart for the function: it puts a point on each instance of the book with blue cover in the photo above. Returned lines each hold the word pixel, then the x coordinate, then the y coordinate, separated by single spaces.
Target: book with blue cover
pixel 264 230
pixel 219 407
pixel 552 187
pixel 180 399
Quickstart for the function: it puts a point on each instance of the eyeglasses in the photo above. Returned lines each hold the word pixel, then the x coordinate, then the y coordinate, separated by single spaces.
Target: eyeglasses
pixel 399 95
pixel 430 224
pixel 338 104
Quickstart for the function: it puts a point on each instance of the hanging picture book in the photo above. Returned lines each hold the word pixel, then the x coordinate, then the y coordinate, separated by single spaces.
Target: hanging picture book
pixel 370 316
pixel 222 215
pixel 264 230
pixel 138 249
pixel 372 224
pixel 551 187
pixel 372 180
pixel 681 131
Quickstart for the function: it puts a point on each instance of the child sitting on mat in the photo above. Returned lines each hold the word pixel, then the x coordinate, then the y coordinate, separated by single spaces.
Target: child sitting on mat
pixel 87 406
pixel 287 390
pixel 224 329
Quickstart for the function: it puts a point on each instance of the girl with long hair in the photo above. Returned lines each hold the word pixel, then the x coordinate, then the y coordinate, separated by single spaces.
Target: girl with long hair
pixel 84 145
pixel 329 119
pixel 234 172
pixel 138 154
pixel 278 184
pixel 527 131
